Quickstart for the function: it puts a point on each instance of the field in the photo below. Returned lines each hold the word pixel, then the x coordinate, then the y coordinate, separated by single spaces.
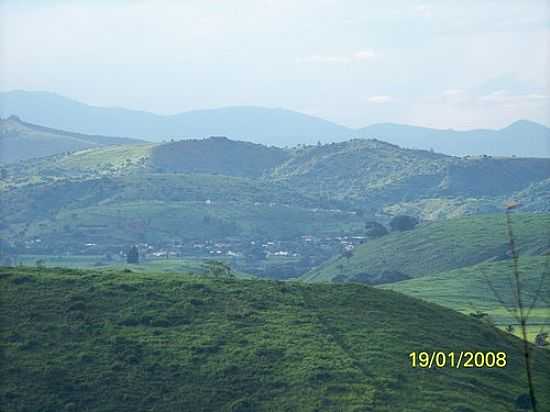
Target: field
pixel 468 290
pixel 117 340
pixel 439 246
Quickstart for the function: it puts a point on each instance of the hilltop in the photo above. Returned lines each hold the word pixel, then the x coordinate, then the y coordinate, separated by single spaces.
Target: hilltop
pixel 269 126
pixel 379 174
pixel 20 140
pixel 77 340
pixel 435 247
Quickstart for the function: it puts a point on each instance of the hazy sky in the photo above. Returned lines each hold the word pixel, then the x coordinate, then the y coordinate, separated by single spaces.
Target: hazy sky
pixel 448 64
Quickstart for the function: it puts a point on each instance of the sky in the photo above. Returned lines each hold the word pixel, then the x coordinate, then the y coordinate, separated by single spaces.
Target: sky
pixel 446 64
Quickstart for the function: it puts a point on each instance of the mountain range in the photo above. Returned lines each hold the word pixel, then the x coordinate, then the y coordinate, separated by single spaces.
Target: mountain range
pixel 268 126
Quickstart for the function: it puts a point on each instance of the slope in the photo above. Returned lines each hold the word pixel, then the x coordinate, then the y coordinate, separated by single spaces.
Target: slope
pixel 468 289
pixel 436 247
pixel 20 140
pixel 376 173
pixel 106 341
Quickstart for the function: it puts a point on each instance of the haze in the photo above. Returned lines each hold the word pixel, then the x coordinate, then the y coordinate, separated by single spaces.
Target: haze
pixel 439 64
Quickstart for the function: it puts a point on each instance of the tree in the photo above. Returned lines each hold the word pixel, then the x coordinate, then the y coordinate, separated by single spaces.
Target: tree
pixel 218 269
pixel 401 223
pixel 133 255
pixel 375 229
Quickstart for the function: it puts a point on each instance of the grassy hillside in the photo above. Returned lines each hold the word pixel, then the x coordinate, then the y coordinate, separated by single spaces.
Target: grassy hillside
pixel 468 289
pixel 104 341
pixel 376 173
pixel 437 247
pixel 20 141
pixel 217 155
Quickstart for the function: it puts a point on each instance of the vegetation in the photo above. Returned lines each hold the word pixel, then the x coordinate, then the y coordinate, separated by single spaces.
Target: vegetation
pixel 467 290
pixel 108 340
pixel 21 140
pixel 440 246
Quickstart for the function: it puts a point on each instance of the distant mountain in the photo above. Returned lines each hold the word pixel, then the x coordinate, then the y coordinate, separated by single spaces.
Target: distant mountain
pixel 260 125
pixel 20 140
pixel 267 126
pixel 522 138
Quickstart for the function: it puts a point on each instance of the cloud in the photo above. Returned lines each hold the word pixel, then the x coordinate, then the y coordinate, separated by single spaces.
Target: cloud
pixel 364 55
pixel 504 97
pixel 380 99
pixel 358 56
pixel 453 92
pixel 324 59
pixel 423 10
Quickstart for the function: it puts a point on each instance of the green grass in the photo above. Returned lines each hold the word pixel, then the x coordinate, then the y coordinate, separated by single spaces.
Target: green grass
pixel 127 341
pixel 468 290
pixel 157 265
pixel 110 157
pixel 440 246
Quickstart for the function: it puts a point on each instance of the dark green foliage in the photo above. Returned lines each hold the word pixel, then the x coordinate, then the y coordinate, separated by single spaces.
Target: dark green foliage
pixel 401 223
pixel 217 155
pixel 106 341
pixel 375 229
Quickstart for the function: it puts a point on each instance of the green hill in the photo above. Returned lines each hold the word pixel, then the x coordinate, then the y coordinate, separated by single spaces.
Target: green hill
pixel 374 173
pixel 217 155
pixel 104 341
pixel 437 247
pixel 20 141
pixel 469 290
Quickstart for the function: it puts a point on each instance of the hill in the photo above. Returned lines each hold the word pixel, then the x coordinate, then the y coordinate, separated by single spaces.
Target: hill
pixel 522 138
pixel 268 126
pixel 103 341
pixel 436 247
pixel 377 173
pixel 217 155
pixel 21 140
pixel 468 289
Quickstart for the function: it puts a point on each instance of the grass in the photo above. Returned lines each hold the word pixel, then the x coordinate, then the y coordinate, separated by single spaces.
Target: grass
pixel 440 246
pixel 467 290
pixel 114 340
pixel 157 265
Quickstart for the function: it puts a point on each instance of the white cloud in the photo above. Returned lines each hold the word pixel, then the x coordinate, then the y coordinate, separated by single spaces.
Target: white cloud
pixel 361 55
pixel 364 55
pixel 380 99
pixel 323 59
pixel 423 10
pixel 453 92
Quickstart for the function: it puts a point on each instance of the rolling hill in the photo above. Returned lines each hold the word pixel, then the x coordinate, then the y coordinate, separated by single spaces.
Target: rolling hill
pixel 103 341
pixel 468 289
pixel 377 173
pixel 216 188
pixel 436 247
pixel 20 140
pixel 267 126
